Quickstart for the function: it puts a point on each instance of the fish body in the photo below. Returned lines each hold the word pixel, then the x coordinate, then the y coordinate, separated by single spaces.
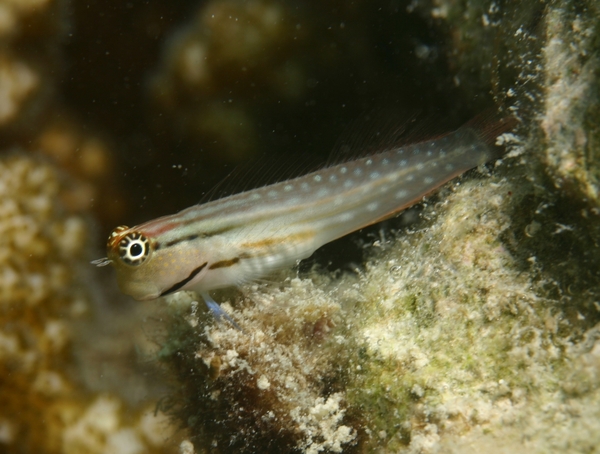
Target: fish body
pixel 245 236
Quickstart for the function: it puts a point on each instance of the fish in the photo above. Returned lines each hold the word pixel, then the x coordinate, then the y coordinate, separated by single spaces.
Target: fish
pixel 246 236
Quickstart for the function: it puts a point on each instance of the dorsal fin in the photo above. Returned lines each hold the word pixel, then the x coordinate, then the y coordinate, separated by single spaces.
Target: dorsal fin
pixel 380 130
pixel 261 172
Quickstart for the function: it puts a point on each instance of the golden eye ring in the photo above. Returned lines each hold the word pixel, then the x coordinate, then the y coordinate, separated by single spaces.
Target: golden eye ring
pixel 134 249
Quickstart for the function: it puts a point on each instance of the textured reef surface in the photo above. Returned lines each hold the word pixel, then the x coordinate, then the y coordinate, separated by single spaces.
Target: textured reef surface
pixel 469 324
pixel 46 307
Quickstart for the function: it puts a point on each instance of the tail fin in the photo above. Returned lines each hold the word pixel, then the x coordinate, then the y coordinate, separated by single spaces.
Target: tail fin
pixel 488 126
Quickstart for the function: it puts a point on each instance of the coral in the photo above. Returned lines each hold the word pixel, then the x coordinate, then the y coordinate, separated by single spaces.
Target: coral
pixel 228 40
pixel 44 290
pixel 540 62
pixel 88 158
pixel 29 34
pixel 101 429
pixel 18 82
pixel 241 70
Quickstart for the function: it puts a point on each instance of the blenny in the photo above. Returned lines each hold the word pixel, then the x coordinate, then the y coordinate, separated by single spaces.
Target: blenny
pixel 246 236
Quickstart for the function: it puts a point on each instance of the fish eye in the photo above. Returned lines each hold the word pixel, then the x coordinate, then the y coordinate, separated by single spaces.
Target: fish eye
pixel 134 249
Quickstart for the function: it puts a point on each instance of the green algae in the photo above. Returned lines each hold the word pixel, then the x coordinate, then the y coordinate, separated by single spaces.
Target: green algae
pixel 446 335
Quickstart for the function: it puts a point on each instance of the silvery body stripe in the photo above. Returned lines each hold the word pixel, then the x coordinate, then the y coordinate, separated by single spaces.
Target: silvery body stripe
pixel 247 235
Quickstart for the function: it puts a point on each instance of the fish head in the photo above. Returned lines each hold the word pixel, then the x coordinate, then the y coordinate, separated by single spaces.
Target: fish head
pixel 145 271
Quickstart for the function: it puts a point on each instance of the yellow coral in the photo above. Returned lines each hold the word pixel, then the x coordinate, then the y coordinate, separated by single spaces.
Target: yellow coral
pixel 43 290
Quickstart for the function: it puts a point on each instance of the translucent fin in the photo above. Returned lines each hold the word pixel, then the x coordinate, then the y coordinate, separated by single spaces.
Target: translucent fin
pixel 101 262
pixel 216 310
pixel 262 172
pixel 488 125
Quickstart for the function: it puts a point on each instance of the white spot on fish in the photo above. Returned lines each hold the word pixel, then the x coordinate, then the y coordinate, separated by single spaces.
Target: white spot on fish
pixel 357 172
pixel 288 187
pixel 410 177
pixel 385 161
pixel 403 163
pixel 272 193
pixel 401 194
pixel 416 151
pixel 420 166
pixel 427 180
pixel 343 170
pixel 348 184
pixel 429 153
pixel 317 178
pixel 449 167
pixel 374 175
pixel 322 192
pixel 255 196
pixel 333 178
pixel 346 217
pixel 400 151
pixel 372 206
pixel 369 162
pixel 305 186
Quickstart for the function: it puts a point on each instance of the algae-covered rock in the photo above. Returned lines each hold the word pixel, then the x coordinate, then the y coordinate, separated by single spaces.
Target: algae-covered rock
pixel 571 115
pixel 473 330
pixel 541 60
pixel 462 342
pixel 263 389
pixel 445 340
